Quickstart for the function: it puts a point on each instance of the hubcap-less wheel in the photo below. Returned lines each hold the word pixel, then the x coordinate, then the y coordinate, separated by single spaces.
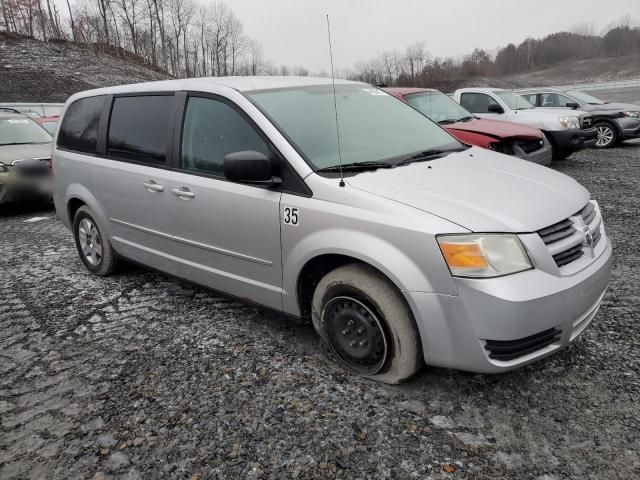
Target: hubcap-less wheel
pixel 605 136
pixel 90 241
pixel 355 334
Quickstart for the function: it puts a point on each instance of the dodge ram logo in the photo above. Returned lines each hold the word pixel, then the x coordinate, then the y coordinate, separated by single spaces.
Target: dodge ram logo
pixel 588 237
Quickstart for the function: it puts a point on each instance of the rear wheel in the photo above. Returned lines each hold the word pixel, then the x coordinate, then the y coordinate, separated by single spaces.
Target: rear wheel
pixel 607 135
pixel 366 324
pixel 95 250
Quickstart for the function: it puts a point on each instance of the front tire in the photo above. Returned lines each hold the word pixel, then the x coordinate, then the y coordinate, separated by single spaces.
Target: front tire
pixel 556 152
pixel 366 324
pixel 607 135
pixel 93 247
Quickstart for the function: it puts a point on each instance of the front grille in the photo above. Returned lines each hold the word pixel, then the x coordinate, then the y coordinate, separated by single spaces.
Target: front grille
pixel 568 256
pixel 557 231
pixel 568 239
pixel 530 146
pixel 510 349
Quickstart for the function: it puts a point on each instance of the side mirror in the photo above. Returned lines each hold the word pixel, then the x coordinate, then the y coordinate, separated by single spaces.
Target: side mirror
pixel 495 108
pixel 572 104
pixel 249 167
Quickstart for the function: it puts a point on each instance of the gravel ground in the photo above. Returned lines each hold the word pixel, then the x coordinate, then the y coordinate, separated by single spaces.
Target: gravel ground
pixel 144 376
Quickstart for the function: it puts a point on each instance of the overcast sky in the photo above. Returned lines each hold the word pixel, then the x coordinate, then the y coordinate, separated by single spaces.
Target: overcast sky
pixel 293 32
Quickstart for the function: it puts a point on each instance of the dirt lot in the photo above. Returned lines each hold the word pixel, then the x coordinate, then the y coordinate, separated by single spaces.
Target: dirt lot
pixel 143 376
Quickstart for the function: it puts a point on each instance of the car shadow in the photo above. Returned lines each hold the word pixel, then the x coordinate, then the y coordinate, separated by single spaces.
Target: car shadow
pixel 11 210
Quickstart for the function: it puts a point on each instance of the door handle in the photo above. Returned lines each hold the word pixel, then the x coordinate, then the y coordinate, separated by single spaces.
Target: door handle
pixel 152 186
pixel 183 192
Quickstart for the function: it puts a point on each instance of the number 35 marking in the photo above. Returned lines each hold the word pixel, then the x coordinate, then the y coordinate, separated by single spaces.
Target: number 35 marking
pixel 291 216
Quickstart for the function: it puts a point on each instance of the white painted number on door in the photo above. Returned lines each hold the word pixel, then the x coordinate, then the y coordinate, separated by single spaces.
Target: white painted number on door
pixel 291 216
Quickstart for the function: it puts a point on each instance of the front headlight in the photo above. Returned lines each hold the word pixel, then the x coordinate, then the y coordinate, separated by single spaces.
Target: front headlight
pixel 484 255
pixel 570 122
pixel 631 114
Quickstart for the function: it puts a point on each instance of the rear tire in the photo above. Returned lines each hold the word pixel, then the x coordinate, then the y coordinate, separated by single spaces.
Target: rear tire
pixel 607 135
pixel 366 324
pixel 94 249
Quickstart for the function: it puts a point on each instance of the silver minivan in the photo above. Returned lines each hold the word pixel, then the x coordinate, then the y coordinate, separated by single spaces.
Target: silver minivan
pixel 401 244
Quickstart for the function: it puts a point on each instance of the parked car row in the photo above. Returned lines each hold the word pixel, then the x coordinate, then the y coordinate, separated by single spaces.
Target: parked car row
pixel 505 137
pixel 535 124
pixel 340 203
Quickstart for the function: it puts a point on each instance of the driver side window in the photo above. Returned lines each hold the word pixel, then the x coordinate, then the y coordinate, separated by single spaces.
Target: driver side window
pixel 477 102
pixel 213 129
pixel 555 100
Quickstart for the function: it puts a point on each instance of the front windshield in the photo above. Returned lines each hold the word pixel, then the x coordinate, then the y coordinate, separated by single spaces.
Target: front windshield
pixel 23 130
pixel 585 98
pixel 374 126
pixel 50 126
pixel 513 100
pixel 438 107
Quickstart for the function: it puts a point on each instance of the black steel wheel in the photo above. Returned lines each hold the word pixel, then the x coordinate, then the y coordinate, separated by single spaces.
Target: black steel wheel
pixel 365 324
pixel 355 335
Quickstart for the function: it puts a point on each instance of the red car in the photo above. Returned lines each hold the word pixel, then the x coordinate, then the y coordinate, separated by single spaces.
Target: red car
pixel 504 137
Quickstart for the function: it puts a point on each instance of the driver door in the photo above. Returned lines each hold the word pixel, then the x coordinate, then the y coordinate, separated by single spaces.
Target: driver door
pixel 229 233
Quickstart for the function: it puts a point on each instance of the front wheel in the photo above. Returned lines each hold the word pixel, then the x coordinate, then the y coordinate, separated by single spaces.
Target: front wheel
pixel 366 324
pixel 607 135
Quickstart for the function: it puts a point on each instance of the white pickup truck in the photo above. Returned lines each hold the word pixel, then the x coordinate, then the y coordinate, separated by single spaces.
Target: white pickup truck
pixel 568 130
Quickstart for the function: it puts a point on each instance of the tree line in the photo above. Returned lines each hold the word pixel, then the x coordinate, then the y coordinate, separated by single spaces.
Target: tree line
pixel 417 68
pixel 189 39
pixel 182 37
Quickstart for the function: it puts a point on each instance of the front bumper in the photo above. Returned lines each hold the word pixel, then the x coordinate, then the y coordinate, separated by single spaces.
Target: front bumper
pixel 542 156
pixel 455 329
pixel 629 127
pixel 573 140
pixel 17 190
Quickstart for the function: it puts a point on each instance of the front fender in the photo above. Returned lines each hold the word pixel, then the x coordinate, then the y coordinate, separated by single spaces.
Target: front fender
pixel 402 270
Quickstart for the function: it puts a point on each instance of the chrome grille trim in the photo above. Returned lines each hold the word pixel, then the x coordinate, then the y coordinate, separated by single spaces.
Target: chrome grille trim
pixel 566 239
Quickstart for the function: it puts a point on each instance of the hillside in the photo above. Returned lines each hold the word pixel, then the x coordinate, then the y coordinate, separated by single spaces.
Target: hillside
pixel 35 71
pixel 593 70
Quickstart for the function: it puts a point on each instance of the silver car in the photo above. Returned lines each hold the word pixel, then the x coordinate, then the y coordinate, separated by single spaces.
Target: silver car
pixel 402 245
pixel 25 160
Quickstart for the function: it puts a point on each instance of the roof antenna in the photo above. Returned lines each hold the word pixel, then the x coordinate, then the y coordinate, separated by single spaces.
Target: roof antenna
pixel 335 103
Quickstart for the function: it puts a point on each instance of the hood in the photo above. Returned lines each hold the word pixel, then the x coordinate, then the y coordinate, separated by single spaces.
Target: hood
pixel 9 153
pixel 557 112
pixel 616 107
pixel 496 129
pixel 480 190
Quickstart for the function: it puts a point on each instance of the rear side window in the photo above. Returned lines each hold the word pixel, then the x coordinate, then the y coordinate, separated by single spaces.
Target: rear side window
pixel 139 128
pixel 79 129
pixel 213 129
pixel 477 102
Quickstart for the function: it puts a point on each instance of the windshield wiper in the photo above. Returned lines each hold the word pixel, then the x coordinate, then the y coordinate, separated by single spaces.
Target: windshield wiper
pixel 467 118
pixel 426 155
pixel 447 121
pixel 20 143
pixel 355 167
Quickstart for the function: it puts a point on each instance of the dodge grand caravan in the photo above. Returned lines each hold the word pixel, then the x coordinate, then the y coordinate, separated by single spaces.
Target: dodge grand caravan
pixel 421 251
